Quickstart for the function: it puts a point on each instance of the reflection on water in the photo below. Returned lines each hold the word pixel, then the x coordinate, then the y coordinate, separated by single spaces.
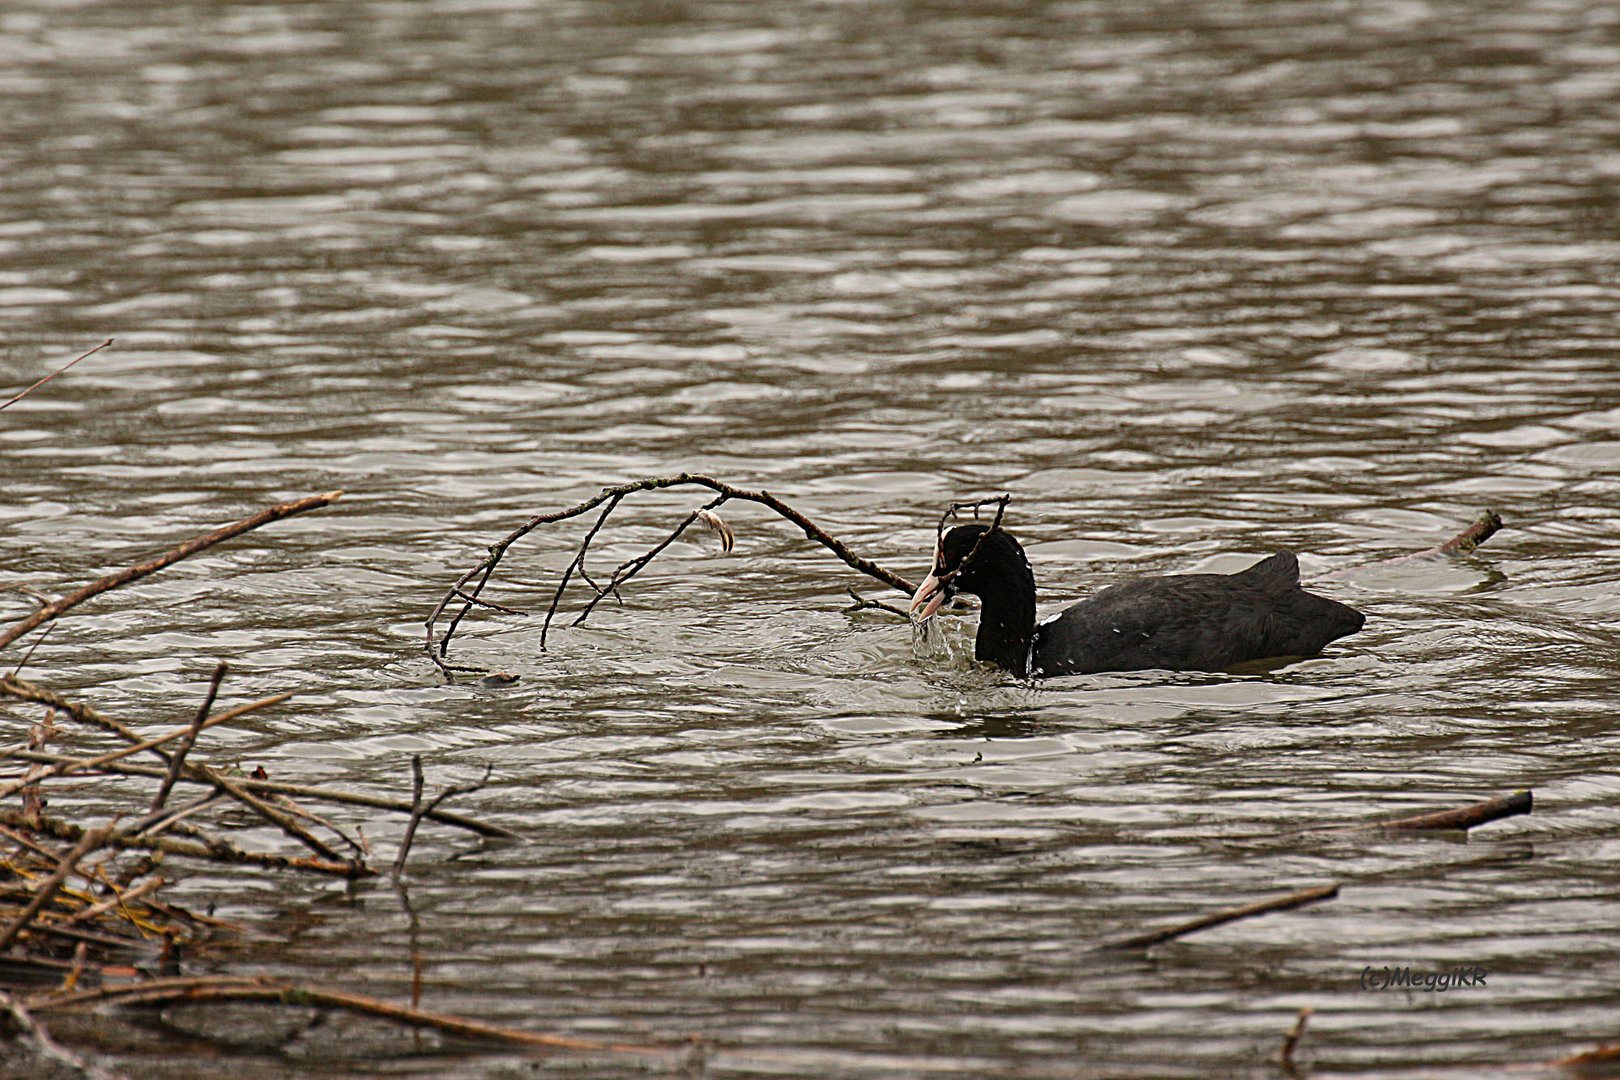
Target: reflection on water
pixel 1193 281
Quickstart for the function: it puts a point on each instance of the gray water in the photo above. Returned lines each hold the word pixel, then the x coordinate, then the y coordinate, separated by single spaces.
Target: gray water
pixel 1192 281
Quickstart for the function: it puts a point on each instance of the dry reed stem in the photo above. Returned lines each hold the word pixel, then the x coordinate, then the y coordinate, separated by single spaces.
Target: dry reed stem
pixel 46 891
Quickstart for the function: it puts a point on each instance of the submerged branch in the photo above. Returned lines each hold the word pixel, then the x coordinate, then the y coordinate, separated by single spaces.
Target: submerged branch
pixel 228 988
pixel 1485 525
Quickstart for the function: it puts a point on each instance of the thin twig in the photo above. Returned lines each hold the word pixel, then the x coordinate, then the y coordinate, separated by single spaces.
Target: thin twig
pixel 168 558
pixel 1221 918
pixel 1290 1043
pixel 270 813
pixel 168 817
pixel 631 567
pixel 578 564
pixel 119 900
pixel 863 604
pixel 416 813
pixel 18 397
pixel 17 688
pixel 995 525
pixel 70 765
pixel 29 655
pixel 189 739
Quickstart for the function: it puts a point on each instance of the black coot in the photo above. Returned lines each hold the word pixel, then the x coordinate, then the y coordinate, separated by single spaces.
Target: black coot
pixel 1186 622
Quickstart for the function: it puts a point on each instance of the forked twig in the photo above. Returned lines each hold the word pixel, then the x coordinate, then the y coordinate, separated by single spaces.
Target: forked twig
pixel 955 510
pixel 419 810
pixel 469 593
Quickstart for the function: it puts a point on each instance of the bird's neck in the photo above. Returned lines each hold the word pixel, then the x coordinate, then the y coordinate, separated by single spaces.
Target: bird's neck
pixel 1007 624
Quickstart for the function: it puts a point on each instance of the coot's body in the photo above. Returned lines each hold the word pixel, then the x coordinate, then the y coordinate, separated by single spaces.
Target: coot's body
pixel 1188 622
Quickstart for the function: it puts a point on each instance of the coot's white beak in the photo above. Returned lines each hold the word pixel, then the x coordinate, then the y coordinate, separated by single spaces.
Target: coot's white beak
pixel 930 595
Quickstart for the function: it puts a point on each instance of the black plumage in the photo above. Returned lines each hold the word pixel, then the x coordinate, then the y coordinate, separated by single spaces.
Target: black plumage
pixel 1183 622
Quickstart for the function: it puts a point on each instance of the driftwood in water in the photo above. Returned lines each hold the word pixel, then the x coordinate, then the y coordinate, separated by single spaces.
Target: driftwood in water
pixel 1463 817
pixel 1485 525
pixel 1220 918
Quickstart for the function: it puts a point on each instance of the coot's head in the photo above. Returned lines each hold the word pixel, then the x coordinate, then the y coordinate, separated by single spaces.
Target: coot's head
pixel 973 559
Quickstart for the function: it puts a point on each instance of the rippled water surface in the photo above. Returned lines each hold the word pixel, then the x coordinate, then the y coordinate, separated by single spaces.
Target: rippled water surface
pixel 1193 281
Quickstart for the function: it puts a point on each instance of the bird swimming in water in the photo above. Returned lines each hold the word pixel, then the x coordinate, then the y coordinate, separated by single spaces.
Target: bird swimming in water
pixel 1182 622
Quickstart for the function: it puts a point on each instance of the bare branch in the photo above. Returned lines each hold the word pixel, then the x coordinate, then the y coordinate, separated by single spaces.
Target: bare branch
pixel 273 787
pixel 438 649
pixel 168 558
